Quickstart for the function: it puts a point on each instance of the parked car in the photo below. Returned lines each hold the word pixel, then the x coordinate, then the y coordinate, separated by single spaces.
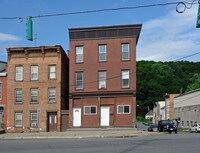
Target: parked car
pixel 147 123
pixel 167 126
pixel 152 127
pixel 195 128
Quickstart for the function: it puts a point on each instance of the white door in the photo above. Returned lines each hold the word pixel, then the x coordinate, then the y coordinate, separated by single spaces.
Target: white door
pixel 105 116
pixel 76 117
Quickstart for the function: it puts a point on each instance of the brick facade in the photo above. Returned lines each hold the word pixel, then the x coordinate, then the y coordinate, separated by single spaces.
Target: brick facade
pixel 42 57
pixel 113 96
pixel 3 96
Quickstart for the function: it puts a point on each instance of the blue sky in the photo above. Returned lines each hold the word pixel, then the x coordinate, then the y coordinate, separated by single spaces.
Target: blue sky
pixel 165 36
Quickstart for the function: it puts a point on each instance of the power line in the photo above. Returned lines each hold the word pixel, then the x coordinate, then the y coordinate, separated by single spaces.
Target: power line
pixel 104 10
pixel 187 56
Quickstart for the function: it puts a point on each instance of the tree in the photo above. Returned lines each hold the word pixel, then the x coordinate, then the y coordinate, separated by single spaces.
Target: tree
pixel 194 82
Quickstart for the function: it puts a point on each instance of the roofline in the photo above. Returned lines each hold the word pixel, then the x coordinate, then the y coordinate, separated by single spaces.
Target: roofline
pixel 3 62
pixel 33 48
pixel 103 27
pixel 187 93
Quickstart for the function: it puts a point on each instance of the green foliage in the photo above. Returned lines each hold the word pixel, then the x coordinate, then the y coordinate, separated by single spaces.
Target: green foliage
pixel 154 79
pixel 194 82
pixel 142 119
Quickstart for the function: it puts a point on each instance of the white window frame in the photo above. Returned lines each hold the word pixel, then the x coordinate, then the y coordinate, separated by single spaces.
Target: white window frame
pixel 21 119
pixel 102 52
pixel 34 122
pixel 90 108
pixel 125 51
pixel 34 95
pixel 34 72
pixel 19 73
pixel 1 89
pixel 79 54
pixel 52 71
pixel 51 96
pixel 81 81
pixel 102 79
pixel 123 109
pixel 125 76
pixel 18 96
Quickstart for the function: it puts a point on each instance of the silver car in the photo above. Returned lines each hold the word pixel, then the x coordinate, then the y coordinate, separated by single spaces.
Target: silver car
pixel 195 128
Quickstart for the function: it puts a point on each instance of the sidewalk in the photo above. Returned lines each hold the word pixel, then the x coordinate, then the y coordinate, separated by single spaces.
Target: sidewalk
pixel 80 133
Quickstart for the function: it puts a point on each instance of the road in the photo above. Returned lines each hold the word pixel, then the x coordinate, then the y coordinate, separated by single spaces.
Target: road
pixel 169 143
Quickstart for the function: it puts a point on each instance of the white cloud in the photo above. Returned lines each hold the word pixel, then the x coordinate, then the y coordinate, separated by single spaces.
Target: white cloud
pixel 8 37
pixel 169 37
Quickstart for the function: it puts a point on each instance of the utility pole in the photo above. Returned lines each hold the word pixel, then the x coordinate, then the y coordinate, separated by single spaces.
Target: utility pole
pixel 166 96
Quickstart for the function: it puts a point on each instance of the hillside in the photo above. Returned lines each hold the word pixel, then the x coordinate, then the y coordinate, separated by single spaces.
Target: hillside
pixel 154 79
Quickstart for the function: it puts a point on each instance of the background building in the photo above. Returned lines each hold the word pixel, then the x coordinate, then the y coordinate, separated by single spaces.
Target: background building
pixel 37 88
pixel 3 95
pixel 187 108
pixel 103 75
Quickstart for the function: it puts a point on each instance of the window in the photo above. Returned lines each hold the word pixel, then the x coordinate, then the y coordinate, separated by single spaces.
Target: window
pixel 125 79
pixel 18 119
pixel 79 54
pixel 52 72
pixel 102 79
pixel 18 95
pixel 123 109
pixel 52 95
pixel 19 73
pixel 90 110
pixel 0 90
pixel 102 52
pixel 79 80
pixel 34 120
pixel 182 123
pixel 125 52
pixel 34 72
pixel 34 95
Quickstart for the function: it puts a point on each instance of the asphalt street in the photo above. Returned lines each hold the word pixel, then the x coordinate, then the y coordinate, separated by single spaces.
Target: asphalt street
pixel 168 143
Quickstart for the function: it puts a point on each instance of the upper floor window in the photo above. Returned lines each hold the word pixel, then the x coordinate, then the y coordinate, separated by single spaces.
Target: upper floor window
pixel 18 95
pixel 18 119
pixel 19 73
pixel 34 72
pixel 102 53
pixel 79 54
pixel 102 79
pixel 79 80
pixel 34 95
pixel 52 95
pixel 123 109
pixel 125 78
pixel 125 52
pixel 52 72
pixel 0 90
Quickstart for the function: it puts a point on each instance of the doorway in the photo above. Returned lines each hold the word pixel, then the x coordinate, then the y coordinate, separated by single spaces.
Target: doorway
pixel 52 121
pixel 105 116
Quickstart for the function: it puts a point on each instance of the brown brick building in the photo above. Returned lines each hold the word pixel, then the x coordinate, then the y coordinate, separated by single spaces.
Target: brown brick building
pixel 3 95
pixel 38 80
pixel 103 76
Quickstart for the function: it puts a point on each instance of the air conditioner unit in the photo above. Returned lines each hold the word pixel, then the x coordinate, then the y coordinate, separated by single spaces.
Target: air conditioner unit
pixel 103 86
pixel 33 124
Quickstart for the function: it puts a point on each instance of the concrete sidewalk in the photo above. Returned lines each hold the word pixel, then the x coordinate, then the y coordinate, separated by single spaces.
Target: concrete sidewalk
pixel 80 133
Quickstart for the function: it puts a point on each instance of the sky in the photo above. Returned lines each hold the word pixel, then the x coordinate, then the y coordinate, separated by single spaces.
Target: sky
pixel 165 36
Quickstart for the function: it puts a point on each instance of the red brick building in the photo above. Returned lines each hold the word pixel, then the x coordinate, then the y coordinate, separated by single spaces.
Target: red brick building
pixel 103 76
pixel 37 87
pixel 3 95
